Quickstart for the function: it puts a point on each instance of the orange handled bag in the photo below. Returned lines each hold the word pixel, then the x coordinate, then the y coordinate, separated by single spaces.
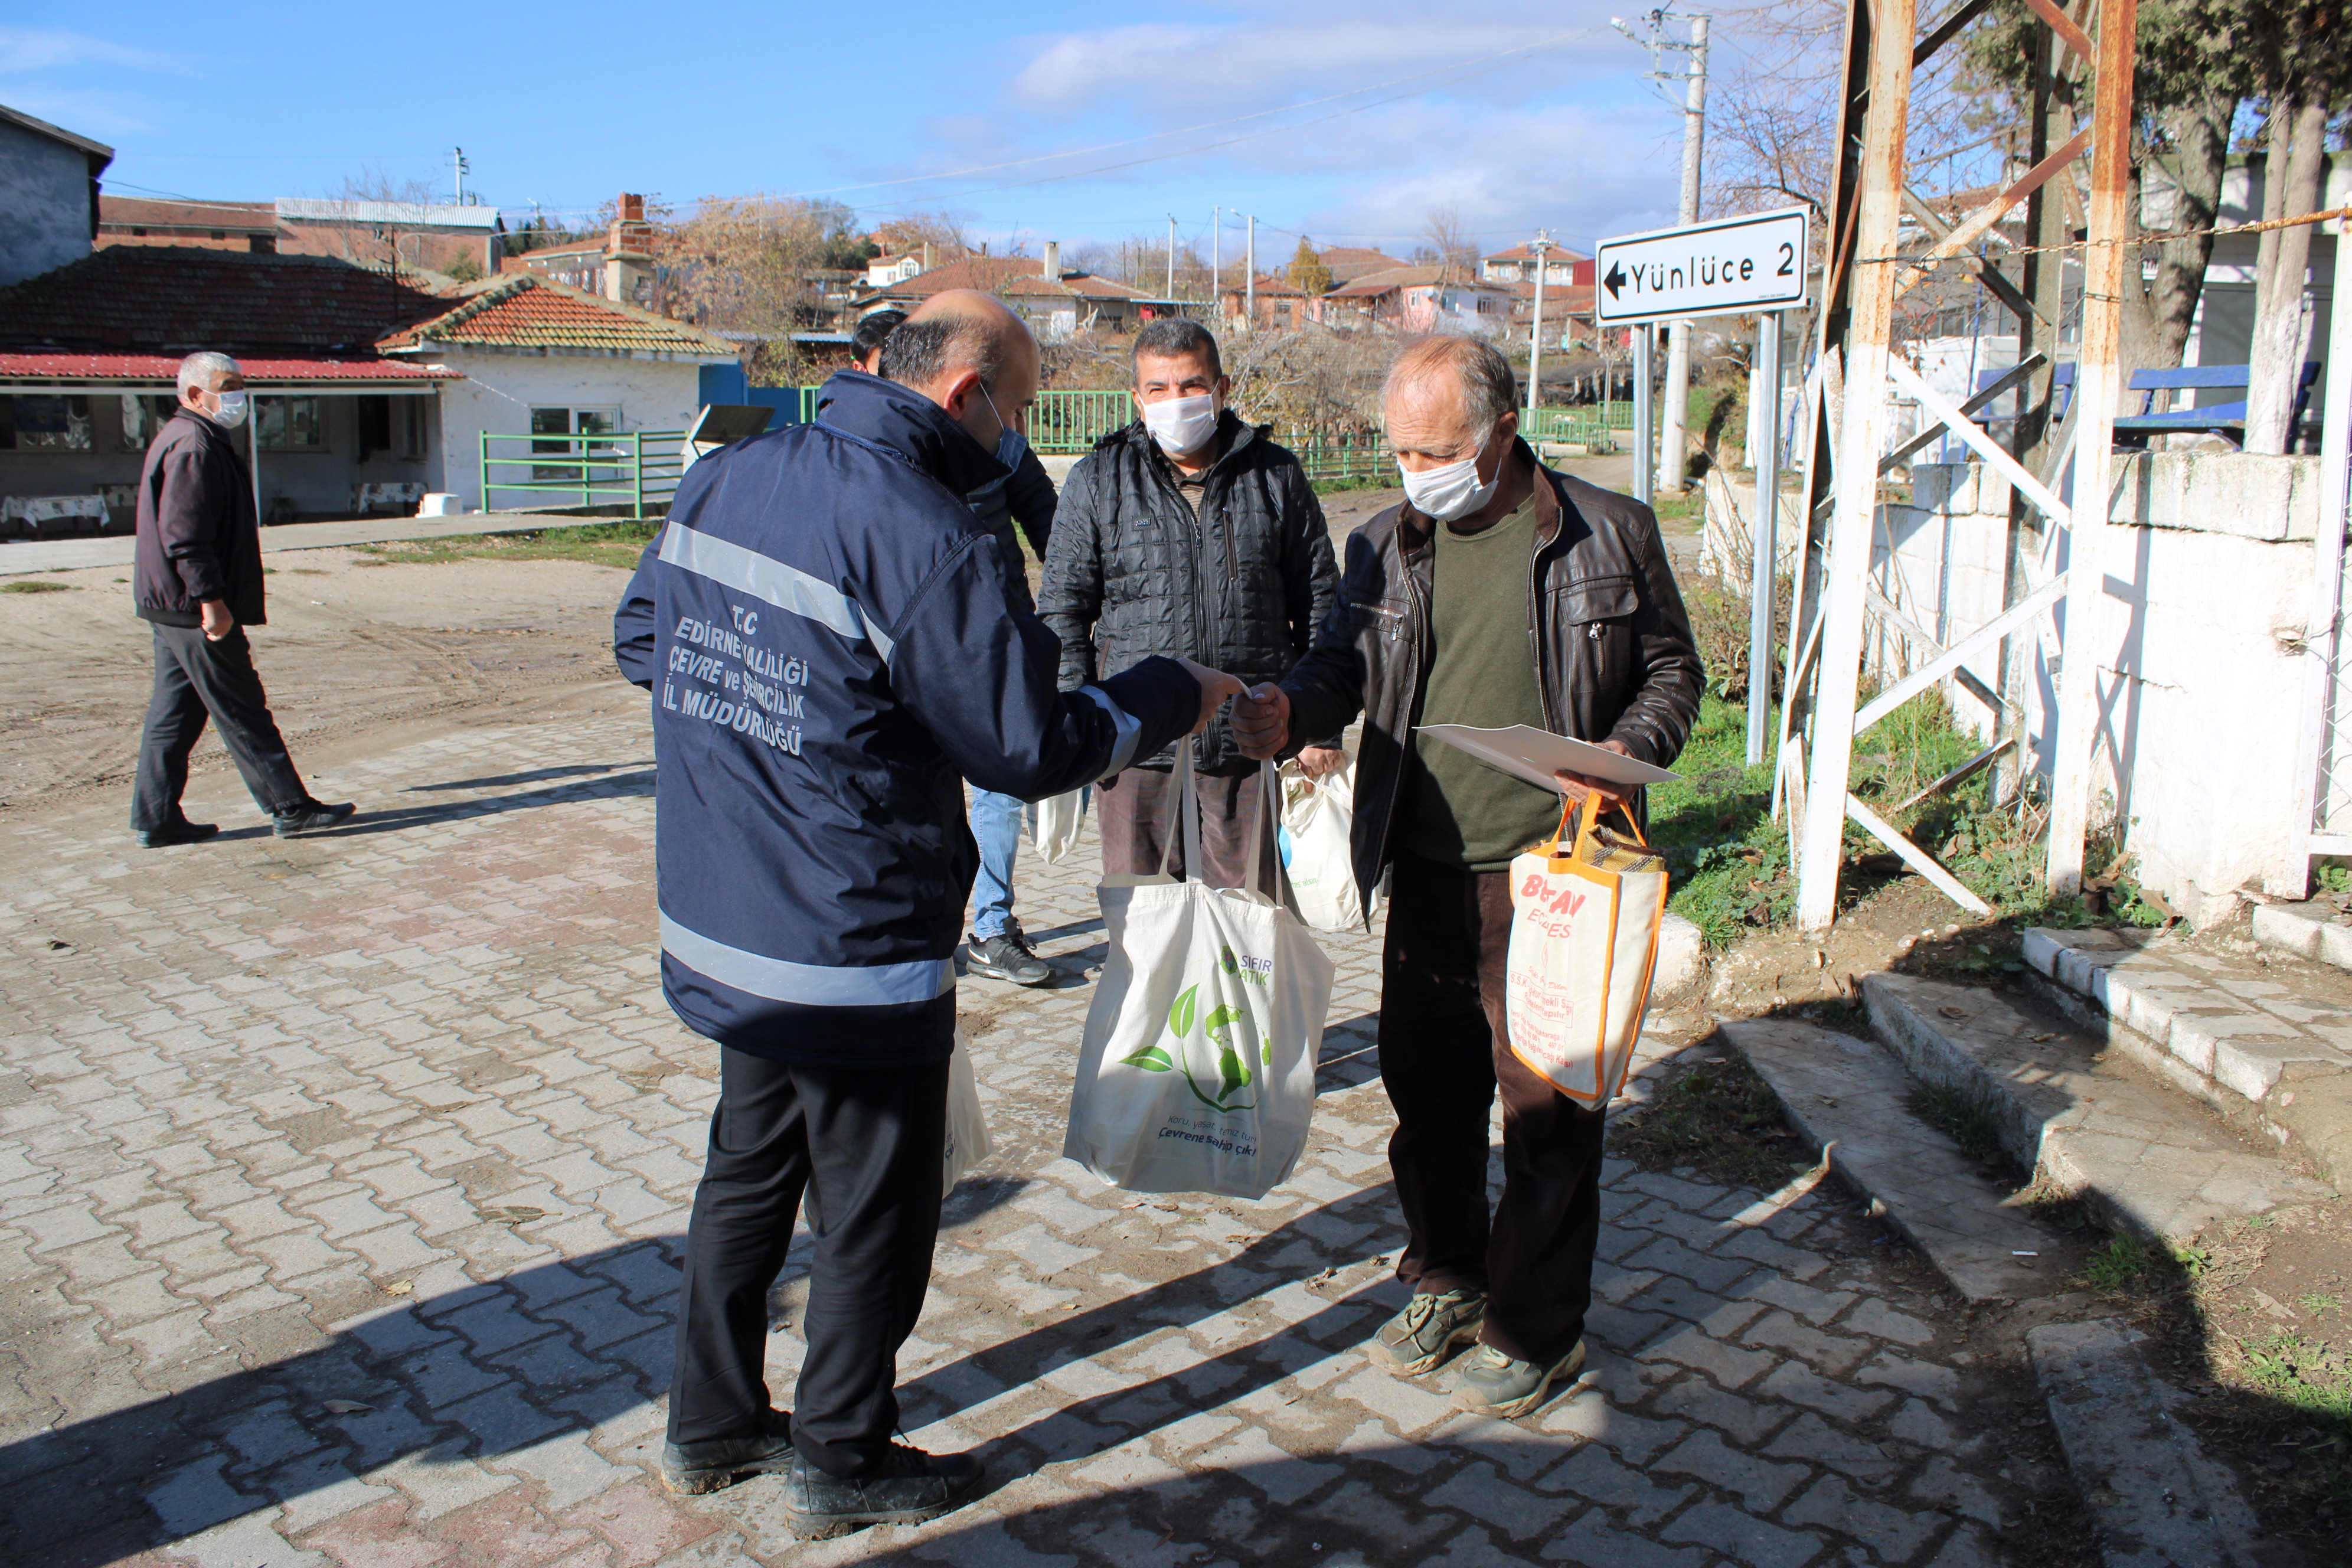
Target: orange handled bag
pixel 1584 940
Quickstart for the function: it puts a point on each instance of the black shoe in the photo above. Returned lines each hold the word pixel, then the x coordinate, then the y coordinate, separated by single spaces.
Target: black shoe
pixel 1007 956
pixel 310 817
pixel 910 1488
pixel 180 832
pixel 713 1465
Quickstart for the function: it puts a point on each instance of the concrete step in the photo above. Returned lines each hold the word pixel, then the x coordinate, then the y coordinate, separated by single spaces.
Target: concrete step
pixel 2085 1122
pixel 2264 1039
pixel 1851 1099
pixel 2317 930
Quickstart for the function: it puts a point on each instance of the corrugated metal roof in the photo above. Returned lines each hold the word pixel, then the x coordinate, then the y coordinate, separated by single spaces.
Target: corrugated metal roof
pixel 403 214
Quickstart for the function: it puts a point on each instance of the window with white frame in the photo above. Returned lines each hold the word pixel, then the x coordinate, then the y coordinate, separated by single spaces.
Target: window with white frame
pixel 143 416
pixel 573 424
pixel 36 422
pixel 288 424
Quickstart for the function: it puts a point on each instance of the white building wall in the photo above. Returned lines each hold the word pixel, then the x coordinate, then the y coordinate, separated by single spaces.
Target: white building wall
pixel 500 390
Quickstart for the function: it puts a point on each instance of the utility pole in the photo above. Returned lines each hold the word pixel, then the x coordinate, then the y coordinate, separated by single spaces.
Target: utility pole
pixel 457 162
pixel 1677 410
pixel 1216 264
pixel 1542 246
pixel 1249 300
pixel 1172 255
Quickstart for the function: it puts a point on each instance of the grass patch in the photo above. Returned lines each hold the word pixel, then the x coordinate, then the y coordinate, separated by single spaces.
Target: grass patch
pixel 34 585
pixel 1728 861
pixel 1356 483
pixel 1960 1118
pixel 1719 1117
pixel 617 544
pixel 2128 1265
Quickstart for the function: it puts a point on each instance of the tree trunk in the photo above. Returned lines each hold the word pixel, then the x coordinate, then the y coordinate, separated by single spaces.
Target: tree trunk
pixel 2291 185
pixel 2200 138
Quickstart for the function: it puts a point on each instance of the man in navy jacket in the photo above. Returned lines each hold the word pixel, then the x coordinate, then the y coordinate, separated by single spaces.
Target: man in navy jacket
pixel 832 651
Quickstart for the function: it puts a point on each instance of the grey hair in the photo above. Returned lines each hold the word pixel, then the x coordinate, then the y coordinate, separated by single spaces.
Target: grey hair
pixel 201 370
pixel 921 350
pixel 1489 386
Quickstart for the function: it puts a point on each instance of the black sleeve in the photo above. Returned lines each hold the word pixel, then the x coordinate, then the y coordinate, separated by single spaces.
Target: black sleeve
pixel 1030 491
pixel 1069 599
pixel 633 623
pixel 187 521
pixel 1327 687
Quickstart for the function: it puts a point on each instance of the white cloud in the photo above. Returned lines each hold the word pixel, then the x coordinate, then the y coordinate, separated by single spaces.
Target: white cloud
pixel 47 48
pixel 83 113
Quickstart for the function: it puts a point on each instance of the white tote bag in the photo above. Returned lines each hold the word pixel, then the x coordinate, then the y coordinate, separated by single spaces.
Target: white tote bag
pixel 1319 815
pixel 967 1143
pixel 1584 941
pixel 1197 1070
pixel 1058 818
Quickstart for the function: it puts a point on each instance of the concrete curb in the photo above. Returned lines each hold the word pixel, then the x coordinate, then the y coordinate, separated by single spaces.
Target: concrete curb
pixel 2158 1501
pixel 2306 931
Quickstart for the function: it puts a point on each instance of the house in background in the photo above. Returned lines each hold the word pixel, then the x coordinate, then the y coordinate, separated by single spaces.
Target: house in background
pixel 1348 263
pixel 89 352
pixel 49 189
pixel 1562 267
pixel 1415 300
pixel 524 356
pixel 1281 305
pixel 412 236
pixel 1054 301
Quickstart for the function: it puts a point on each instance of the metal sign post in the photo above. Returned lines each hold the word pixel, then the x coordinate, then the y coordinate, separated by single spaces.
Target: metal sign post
pixel 1764 536
pixel 1645 439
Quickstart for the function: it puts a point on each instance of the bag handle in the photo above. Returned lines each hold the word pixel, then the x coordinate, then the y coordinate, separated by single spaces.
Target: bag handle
pixel 1587 820
pixel 1184 816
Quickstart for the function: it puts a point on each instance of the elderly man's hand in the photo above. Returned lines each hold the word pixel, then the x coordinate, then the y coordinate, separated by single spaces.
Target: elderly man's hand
pixel 1576 786
pixel 1262 720
pixel 218 622
pixel 1216 685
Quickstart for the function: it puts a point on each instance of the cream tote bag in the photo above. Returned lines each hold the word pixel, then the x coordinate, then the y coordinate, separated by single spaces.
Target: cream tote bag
pixel 1196 1073
pixel 1584 940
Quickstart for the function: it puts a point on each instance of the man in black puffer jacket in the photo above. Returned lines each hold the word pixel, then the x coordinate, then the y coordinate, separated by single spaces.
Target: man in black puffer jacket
pixel 1188 534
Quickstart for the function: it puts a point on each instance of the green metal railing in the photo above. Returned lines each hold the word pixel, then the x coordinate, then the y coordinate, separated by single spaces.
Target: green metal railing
pixel 631 467
pixel 1589 425
pixel 1061 423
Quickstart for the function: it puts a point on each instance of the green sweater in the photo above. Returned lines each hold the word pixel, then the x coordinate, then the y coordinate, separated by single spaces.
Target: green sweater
pixel 1454 808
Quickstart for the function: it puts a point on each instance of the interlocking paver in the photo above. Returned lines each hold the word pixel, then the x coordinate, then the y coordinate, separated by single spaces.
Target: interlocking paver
pixel 272 1081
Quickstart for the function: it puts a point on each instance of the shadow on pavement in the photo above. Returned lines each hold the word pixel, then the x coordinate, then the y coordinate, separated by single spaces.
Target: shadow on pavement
pixel 636 784
pixel 533 775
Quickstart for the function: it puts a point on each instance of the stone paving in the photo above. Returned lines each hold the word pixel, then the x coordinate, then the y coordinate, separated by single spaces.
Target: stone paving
pixel 341 1183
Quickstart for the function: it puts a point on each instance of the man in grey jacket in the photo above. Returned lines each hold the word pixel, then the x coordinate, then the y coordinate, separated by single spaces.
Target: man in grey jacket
pixel 198 581
pixel 1192 534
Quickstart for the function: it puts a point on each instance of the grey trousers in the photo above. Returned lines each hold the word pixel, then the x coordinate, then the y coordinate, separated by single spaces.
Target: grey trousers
pixel 197 680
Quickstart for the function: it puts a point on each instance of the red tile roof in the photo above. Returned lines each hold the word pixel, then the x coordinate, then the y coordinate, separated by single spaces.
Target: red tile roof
pixel 1015 277
pixel 524 311
pixel 170 299
pixel 1554 257
pixel 61 365
pixel 1346 263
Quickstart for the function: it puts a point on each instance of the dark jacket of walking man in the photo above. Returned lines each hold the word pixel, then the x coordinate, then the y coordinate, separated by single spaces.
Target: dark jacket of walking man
pixel 1187 533
pixel 832 652
pixel 198 581
pixel 1499 594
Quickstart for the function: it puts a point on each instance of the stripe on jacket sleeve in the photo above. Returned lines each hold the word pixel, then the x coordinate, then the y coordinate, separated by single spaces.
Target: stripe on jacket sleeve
pixel 807 985
pixel 786 588
pixel 1129 728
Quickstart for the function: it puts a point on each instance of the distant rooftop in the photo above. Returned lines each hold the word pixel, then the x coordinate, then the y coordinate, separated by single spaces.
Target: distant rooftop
pixel 404 215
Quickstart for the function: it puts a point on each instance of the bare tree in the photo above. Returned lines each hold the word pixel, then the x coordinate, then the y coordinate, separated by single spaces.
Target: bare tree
pixel 1448 244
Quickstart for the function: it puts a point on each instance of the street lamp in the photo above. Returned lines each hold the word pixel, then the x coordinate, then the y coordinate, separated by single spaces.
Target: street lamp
pixel 1542 246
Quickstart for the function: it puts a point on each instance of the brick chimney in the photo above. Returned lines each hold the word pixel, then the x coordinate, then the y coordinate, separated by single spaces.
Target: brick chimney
pixel 927 262
pixel 1051 265
pixel 629 254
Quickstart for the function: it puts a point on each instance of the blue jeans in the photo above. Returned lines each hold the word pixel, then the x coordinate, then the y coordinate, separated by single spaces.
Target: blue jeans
pixel 996 823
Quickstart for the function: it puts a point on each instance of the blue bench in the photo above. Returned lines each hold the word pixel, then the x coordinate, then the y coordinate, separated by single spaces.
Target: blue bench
pixel 2132 430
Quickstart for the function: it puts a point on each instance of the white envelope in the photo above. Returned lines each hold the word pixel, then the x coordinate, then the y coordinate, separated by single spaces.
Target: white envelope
pixel 1536 754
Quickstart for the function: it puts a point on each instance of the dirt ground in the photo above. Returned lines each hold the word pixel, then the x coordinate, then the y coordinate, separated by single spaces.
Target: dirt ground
pixel 352 645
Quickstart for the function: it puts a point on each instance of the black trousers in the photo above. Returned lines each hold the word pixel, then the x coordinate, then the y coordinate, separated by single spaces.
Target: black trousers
pixel 865 1144
pixel 197 680
pixel 1134 815
pixel 1445 1054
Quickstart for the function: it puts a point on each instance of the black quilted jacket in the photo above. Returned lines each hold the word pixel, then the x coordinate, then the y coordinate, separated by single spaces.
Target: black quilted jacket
pixel 1130 573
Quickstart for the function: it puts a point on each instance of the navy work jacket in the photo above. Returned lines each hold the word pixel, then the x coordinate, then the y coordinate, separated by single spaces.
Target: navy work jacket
pixel 826 632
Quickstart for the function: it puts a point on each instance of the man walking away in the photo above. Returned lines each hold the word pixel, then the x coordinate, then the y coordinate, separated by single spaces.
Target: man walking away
pixel 1187 533
pixel 833 650
pixel 1499 594
pixel 199 582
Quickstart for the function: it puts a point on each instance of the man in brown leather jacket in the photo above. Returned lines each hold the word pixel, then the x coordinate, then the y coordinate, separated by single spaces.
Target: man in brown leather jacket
pixel 1501 593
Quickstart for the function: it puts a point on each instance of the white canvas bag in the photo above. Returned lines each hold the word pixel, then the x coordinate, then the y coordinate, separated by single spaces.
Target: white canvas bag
pixel 1584 941
pixel 968 1142
pixel 1319 815
pixel 1197 1069
pixel 1057 820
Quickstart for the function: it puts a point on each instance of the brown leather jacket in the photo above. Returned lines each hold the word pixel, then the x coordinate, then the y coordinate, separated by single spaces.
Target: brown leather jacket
pixel 1612 643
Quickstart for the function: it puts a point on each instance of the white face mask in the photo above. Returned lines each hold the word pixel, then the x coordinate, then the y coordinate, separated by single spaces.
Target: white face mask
pixel 231 413
pixel 1181 426
pixel 1449 492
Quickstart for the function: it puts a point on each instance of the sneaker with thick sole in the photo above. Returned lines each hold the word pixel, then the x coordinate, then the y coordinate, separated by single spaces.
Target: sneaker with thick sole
pixel 309 817
pixel 908 1488
pixel 180 832
pixel 1503 1386
pixel 716 1463
pixel 1007 956
pixel 1426 1332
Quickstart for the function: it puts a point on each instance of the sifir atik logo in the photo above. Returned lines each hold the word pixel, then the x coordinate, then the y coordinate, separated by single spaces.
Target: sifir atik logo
pixel 1228 1030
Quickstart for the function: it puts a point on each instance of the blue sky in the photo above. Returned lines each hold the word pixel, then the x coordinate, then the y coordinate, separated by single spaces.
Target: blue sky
pixel 1347 119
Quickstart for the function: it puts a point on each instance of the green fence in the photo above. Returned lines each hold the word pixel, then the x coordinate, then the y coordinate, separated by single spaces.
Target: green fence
pixel 619 468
